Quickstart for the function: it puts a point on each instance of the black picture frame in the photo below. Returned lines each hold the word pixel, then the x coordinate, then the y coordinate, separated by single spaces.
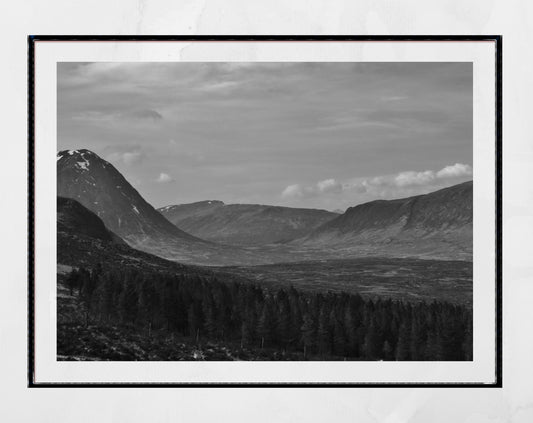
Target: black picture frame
pixel 33 39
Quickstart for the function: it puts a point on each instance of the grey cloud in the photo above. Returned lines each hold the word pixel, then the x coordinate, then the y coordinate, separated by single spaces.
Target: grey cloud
pixel 144 114
pixel 128 155
pixel 113 115
pixel 326 186
pixel 164 178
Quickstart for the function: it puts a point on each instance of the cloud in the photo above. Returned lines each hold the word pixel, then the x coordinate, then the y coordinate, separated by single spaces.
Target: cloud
pixel 128 157
pixel 329 185
pixel 164 178
pixel 410 178
pixel 146 114
pixel 92 116
pixel 385 185
pixel 394 98
pixel 321 187
pixel 457 170
pixel 293 191
pixel 96 116
pixel 405 179
pixel 219 86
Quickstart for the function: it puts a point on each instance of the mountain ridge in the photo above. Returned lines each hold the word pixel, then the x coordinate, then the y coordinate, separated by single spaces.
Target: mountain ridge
pixel 244 224
pixel 433 225
pixel 427 223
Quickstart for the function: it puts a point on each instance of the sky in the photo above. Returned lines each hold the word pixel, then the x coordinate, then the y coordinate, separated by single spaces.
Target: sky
pixel 319 135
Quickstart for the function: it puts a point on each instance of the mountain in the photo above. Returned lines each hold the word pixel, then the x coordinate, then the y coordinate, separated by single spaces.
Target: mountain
pixel 84 176
pixel 438 224
pixel 100 187
pixel 245 224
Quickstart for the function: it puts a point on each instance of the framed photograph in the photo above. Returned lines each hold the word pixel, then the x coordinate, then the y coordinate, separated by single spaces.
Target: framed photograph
pixel 265 211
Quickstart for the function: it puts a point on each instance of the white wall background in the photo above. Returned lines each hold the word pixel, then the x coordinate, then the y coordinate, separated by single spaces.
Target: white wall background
pixel 513 19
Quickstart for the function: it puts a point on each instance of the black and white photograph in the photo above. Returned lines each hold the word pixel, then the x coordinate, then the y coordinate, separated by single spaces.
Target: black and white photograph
pixel 264 211
pixel 303 211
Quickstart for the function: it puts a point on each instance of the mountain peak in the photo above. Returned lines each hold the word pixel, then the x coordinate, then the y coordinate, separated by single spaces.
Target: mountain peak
pixel 77 153
pixel 80 160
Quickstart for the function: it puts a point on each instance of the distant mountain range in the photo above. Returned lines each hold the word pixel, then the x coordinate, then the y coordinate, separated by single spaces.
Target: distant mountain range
pixel 435 225
pixel 245 224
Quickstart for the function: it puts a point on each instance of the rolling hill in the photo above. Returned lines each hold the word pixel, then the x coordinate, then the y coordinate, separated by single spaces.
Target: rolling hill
pixel 245 224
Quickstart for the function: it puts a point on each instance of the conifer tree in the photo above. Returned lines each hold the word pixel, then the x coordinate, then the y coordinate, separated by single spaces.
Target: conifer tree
pixel 88 285
pixel 372 344
pixel 148 302
pixel 468 339
pixel 403 345
pixel 339 337
pixel 266 324
pixel 128 301
pixel 194 322
pixel 283 329
pixel 73 281
pixel 351 332
pixel 246 333
pixel 209 312
pixel 417 340
pixel 308 333
pixel 323 333
pixel 387 351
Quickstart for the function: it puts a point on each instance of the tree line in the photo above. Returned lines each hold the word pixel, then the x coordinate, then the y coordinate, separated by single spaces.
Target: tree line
pixel 319 325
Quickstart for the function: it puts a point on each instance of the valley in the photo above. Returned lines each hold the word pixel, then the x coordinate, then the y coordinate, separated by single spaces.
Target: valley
pixel 404 279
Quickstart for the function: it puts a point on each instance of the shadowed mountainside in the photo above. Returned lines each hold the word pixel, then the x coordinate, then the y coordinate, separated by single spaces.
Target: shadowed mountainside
pixel 72 217
pixel 84 241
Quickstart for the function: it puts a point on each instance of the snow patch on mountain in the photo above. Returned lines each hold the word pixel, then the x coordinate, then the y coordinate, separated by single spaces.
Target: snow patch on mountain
pixel 83 165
